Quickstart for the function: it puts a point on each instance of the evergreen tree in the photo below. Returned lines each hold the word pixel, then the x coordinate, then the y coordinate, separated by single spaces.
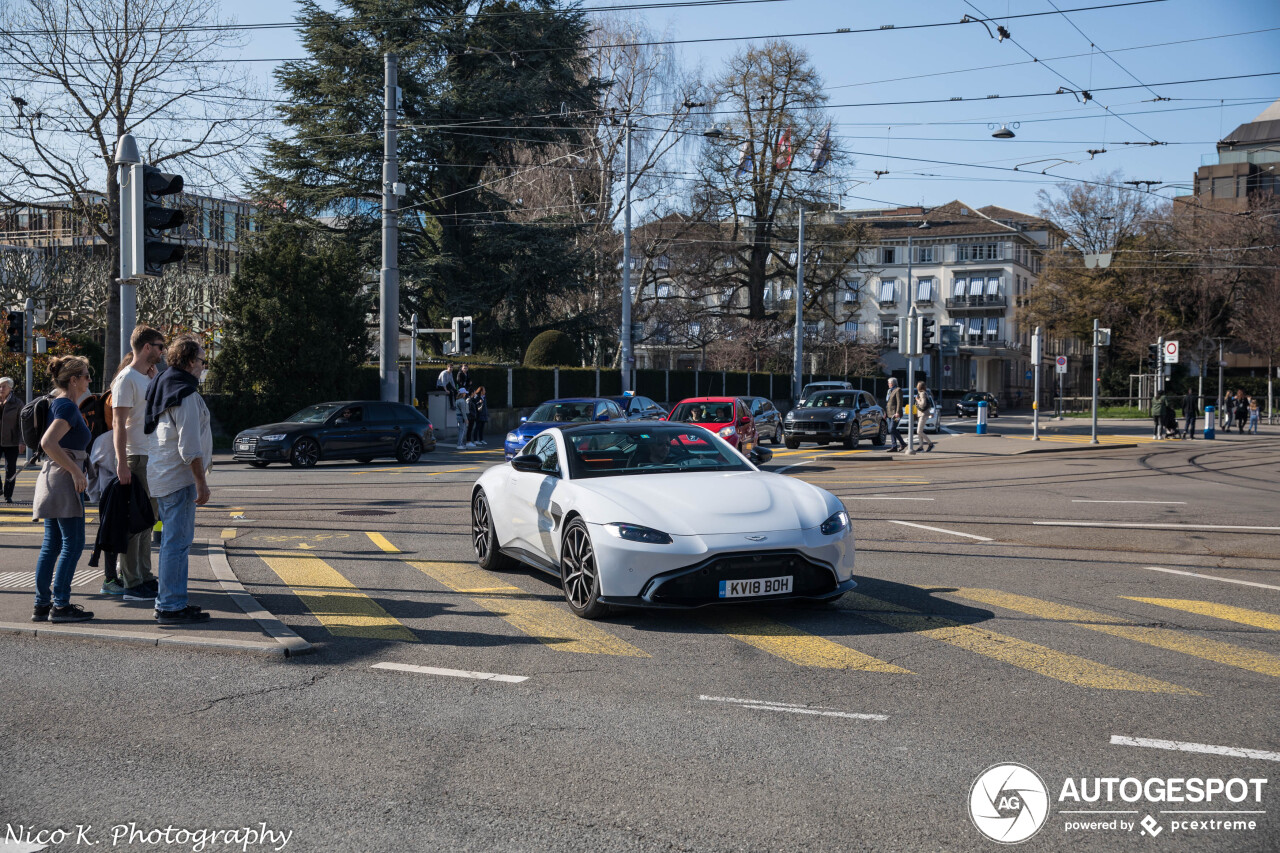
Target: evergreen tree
pixel 295 329
pixel 477 81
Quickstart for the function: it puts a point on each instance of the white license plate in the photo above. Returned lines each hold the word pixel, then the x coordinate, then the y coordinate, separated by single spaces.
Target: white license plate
pixel 810 432
pixel 758 586
pixel 242 447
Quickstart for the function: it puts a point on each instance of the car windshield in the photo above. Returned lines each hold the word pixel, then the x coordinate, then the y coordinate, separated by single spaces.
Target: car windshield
pixel 971 397
pixel 659 450
pixel 568 413
pixel 703 413
pixel 313 414
pixel 833 399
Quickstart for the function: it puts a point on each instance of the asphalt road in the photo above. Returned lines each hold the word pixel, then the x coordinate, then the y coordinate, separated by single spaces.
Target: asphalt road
pixel 1059 611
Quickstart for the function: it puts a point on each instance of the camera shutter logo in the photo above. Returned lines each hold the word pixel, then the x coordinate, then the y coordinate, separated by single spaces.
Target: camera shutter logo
pixel 1009 803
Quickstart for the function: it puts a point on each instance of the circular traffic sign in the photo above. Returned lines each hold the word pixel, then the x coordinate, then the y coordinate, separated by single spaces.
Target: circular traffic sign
pixel 1061 361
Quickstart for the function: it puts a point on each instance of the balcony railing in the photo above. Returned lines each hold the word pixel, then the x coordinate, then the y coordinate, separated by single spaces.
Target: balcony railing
pixel 965 302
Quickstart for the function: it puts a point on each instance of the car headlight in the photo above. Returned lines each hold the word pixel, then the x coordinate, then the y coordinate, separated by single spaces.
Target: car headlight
pixel 791 416
pixel 728 432
pixel 513 438
pixel 837 523
pixel 637 533
pixel 840 416
pixel 277 437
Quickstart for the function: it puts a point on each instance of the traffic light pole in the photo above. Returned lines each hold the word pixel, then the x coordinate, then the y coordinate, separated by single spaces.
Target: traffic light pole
pixel 1094 436
pixel 1035 400
pixel 797 355
pixel 389 279
pixel 914 330
pixel 625 332
pixel 28 342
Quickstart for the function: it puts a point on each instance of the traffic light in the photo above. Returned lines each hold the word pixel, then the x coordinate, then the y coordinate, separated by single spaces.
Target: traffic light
pixel 906 337
pixel 1153 358
pixel 891 336
pixel 17 331
pixel 928 326
pixel 464 337
pixel 143 221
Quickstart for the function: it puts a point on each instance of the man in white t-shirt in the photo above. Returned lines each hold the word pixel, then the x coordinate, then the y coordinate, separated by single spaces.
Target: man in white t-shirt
pixel 129 409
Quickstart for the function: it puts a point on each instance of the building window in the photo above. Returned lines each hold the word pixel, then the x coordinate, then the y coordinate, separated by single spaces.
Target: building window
pixel 993 286
pixel 851 328
pixel 924 290
pixel 786 294
pixel 886 290
pixel 695 329
pixel 979 251
pixel 993 328
pixel 850 296
pixel 889 254
pixel 924 254
pixel 664 291
pixel 958 286
pixel 975 327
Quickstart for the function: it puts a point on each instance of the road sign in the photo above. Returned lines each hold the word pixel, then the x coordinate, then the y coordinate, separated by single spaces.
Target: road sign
pixel 1030 374
pixel 1061 362
pixel 946 370
pixel 1104 338
pixel 1170 352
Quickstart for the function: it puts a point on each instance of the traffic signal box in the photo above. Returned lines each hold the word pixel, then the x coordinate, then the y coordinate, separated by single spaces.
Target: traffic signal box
pixel 16 331
pixel 144 220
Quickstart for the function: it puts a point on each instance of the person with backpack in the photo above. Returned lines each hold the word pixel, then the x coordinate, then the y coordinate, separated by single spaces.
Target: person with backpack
pixel 10 435
pixel 129 408
pixel 59 487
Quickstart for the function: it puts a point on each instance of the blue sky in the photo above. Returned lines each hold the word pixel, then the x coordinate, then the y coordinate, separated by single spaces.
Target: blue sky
pixel 863 71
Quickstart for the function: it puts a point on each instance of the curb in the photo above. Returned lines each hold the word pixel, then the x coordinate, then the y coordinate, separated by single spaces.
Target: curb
pixel 1074 448
pixel 286 642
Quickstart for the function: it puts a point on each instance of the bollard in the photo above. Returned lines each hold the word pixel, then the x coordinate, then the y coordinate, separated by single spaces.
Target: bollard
pixel 1210 419
pixel 982 417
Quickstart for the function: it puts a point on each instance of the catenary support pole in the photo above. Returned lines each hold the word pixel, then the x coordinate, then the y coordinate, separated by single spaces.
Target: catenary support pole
pixel 797 368
pixel 413 360
pixel 389 279
pixel 1035 394
pixel 1094 383
pixel 627 357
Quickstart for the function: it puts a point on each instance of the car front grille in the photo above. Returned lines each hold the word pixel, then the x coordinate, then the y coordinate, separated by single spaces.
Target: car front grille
pixel 817 426
pixel 246 445
pixel 701 583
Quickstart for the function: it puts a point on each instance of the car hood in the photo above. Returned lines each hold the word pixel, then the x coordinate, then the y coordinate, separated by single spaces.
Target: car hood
pixel 821 413
pixel 286 428
pixel 692 502
pixel 529 429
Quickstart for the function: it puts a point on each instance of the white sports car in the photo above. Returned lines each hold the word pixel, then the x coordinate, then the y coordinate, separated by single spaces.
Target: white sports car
pixel 654 514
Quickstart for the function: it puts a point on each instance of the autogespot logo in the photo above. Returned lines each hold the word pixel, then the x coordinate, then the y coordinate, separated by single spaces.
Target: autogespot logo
pixel 1009 803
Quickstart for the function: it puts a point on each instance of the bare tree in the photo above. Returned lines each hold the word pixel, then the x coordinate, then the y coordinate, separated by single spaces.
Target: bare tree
pixel 82 73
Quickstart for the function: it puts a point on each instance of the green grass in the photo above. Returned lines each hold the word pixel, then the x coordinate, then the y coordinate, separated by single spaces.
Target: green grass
pixel 1134 412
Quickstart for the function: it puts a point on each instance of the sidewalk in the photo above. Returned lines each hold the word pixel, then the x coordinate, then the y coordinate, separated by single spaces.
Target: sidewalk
pixel 238 623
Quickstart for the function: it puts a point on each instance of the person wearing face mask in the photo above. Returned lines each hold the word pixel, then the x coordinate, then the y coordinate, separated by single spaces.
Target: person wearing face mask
pixel 10 435
pixel 59 487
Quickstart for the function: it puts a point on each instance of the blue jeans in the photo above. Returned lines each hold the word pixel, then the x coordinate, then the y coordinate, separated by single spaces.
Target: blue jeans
pixel 893 433
pixel 63 543
pixel 178 512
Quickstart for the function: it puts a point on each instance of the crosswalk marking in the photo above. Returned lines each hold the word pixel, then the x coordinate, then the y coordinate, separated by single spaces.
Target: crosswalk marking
pixel 1256 618
pixel 21 580
pixel 794 645
pixel 1029 656
pixel 543 621
pixel 1163 638
pixel 338 605
pixel 383 543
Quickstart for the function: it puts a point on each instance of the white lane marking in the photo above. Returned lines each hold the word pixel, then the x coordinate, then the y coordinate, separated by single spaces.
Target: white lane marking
pixel 759 705
pixel 1125 524
pixel 794 465
pixel 1085 501
pixel 944 530
pixel 882 498
pixel 229 489
pixel 1210 577
pixel 1183 746
pixel 456 673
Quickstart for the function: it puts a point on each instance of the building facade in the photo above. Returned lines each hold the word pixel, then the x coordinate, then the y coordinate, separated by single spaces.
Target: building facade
pixel 1246 164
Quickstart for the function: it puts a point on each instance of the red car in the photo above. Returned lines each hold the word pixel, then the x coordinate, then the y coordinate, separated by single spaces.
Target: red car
pixel 728 417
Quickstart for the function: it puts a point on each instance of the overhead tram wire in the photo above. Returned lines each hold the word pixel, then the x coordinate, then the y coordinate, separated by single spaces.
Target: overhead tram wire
pixel 843 31
pixel 1093 44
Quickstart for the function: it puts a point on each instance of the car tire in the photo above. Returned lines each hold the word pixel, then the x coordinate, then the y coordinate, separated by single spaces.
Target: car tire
pixel 881 435
pixel 851 440
pixel 484 539
pixel 777 436
pixel 410 450
pixel 305 453
pixel 259 464
pixel 364 460
pixel 579 574
pixel 792 443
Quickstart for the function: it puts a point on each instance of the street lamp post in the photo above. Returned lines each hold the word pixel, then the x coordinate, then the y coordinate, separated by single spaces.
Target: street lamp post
pixel 797 369
pixel 626 261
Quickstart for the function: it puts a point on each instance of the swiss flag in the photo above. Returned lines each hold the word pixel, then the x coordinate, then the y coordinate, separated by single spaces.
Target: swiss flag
pixel 784 151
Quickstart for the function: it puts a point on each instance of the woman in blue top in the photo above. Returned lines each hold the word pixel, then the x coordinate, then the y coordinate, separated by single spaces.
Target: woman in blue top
pixel 58 489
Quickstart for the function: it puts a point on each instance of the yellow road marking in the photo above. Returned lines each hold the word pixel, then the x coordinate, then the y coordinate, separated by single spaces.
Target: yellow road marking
pixel 228 533
pixel 381 542
pixel 797 646
pixel 558 628
pixel 334 600
pixel 1042 660
pixel 1256 618
pixel 1162 638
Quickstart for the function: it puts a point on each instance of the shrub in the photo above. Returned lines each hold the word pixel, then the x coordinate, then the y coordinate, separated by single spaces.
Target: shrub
pixel 550 349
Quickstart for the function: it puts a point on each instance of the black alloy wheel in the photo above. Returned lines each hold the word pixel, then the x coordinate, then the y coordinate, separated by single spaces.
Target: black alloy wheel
pixel 777 435
pixel 579 575
pixel 410 450
pixel 305 453
pixel 793 443
pixel 881 435
pixel 483 537
pixel 850 441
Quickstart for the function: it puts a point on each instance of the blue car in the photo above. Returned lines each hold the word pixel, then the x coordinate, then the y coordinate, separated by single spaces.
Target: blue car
pixel 638 408
pixel 572 410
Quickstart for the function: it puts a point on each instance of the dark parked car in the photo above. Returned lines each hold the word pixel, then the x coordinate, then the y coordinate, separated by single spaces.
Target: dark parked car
pixel 967 406
pixel 844 416
pixel 767 417
pixel 355 429
pixel 638 408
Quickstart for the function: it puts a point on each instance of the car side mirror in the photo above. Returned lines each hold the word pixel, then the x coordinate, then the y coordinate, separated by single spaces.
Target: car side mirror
pixel 523 419
pixel 528 463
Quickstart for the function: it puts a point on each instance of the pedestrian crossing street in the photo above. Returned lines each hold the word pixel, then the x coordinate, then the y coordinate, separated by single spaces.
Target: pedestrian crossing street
pixel 345 610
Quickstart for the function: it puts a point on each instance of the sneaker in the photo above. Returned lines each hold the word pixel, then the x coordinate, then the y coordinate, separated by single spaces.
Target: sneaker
pixel 472 444
pixel 70 613
pixel 112 587
pixel 40 613
pixel 141 592
pixel 462 447
pixel 185 616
